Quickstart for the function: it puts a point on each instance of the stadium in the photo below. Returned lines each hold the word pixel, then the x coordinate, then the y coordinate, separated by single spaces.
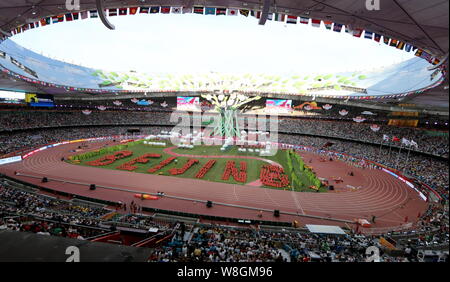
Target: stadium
pixel 309 164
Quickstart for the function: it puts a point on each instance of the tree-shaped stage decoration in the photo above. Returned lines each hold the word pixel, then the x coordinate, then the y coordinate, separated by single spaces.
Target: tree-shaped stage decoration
pixel 228 107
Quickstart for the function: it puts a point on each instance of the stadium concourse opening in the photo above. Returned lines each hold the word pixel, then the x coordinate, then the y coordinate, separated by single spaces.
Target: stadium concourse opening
pixel 183 146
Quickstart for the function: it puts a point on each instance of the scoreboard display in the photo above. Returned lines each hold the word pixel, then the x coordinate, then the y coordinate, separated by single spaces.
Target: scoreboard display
pixel 278 106
pixel 188 103
pixel 39 100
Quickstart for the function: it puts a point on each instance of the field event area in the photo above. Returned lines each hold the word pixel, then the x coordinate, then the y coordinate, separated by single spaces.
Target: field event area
pixel 286 169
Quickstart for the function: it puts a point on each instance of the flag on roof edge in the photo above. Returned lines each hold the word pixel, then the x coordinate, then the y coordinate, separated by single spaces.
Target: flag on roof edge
pixel 393 43
pixel 112 12
pixel 291 19
pixel 256 14
pixel 400 45
pixel 357 32
pixel 435 61
pixel 69 17
pixel 144 10
pixel 176 10
pixel 368 34
pixel 328 24
pixel 425 55
pixel 337 27
pixel 165 9
pixel 133 10
pixel 187 10
pixel 315 22
pixel 154 10
pixel 210 11
pixel 198 10
pixel 75 16
pixel 377 37
pixel 244 12
pixel 123 11
pixel 408 47
pixel 233 12
pixel 304 20
pixel 279 17
pixel 221 11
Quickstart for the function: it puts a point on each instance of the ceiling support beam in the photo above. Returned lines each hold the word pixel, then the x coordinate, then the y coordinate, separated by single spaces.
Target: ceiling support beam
pixel 265 12
pixel 371 21
pixel 102 15
pixel 418 25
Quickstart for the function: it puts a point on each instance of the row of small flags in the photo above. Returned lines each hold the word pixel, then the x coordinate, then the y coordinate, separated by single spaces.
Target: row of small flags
pixel 289 19
pixel 404 141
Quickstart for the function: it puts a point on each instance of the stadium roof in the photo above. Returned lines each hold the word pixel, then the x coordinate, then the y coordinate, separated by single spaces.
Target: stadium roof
pixel 421 23
pixel 424 24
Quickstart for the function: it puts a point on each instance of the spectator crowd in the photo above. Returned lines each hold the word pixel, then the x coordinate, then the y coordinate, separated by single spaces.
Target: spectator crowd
pixel 437 145
pixel 30 211
pixel 426 168
pixel 432 171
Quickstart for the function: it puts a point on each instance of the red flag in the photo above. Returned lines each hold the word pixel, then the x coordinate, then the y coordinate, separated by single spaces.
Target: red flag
pixel 357 32
pixel 395 139
pixel 165 10
pixel 133 10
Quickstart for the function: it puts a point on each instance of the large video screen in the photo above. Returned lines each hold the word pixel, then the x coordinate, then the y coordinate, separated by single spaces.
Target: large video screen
pixel 188 103
pixel 278 106
pixel 39 100
pixel 9 97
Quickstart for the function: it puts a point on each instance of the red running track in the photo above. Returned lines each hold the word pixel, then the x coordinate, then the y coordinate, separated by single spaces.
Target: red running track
pixel 379 193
